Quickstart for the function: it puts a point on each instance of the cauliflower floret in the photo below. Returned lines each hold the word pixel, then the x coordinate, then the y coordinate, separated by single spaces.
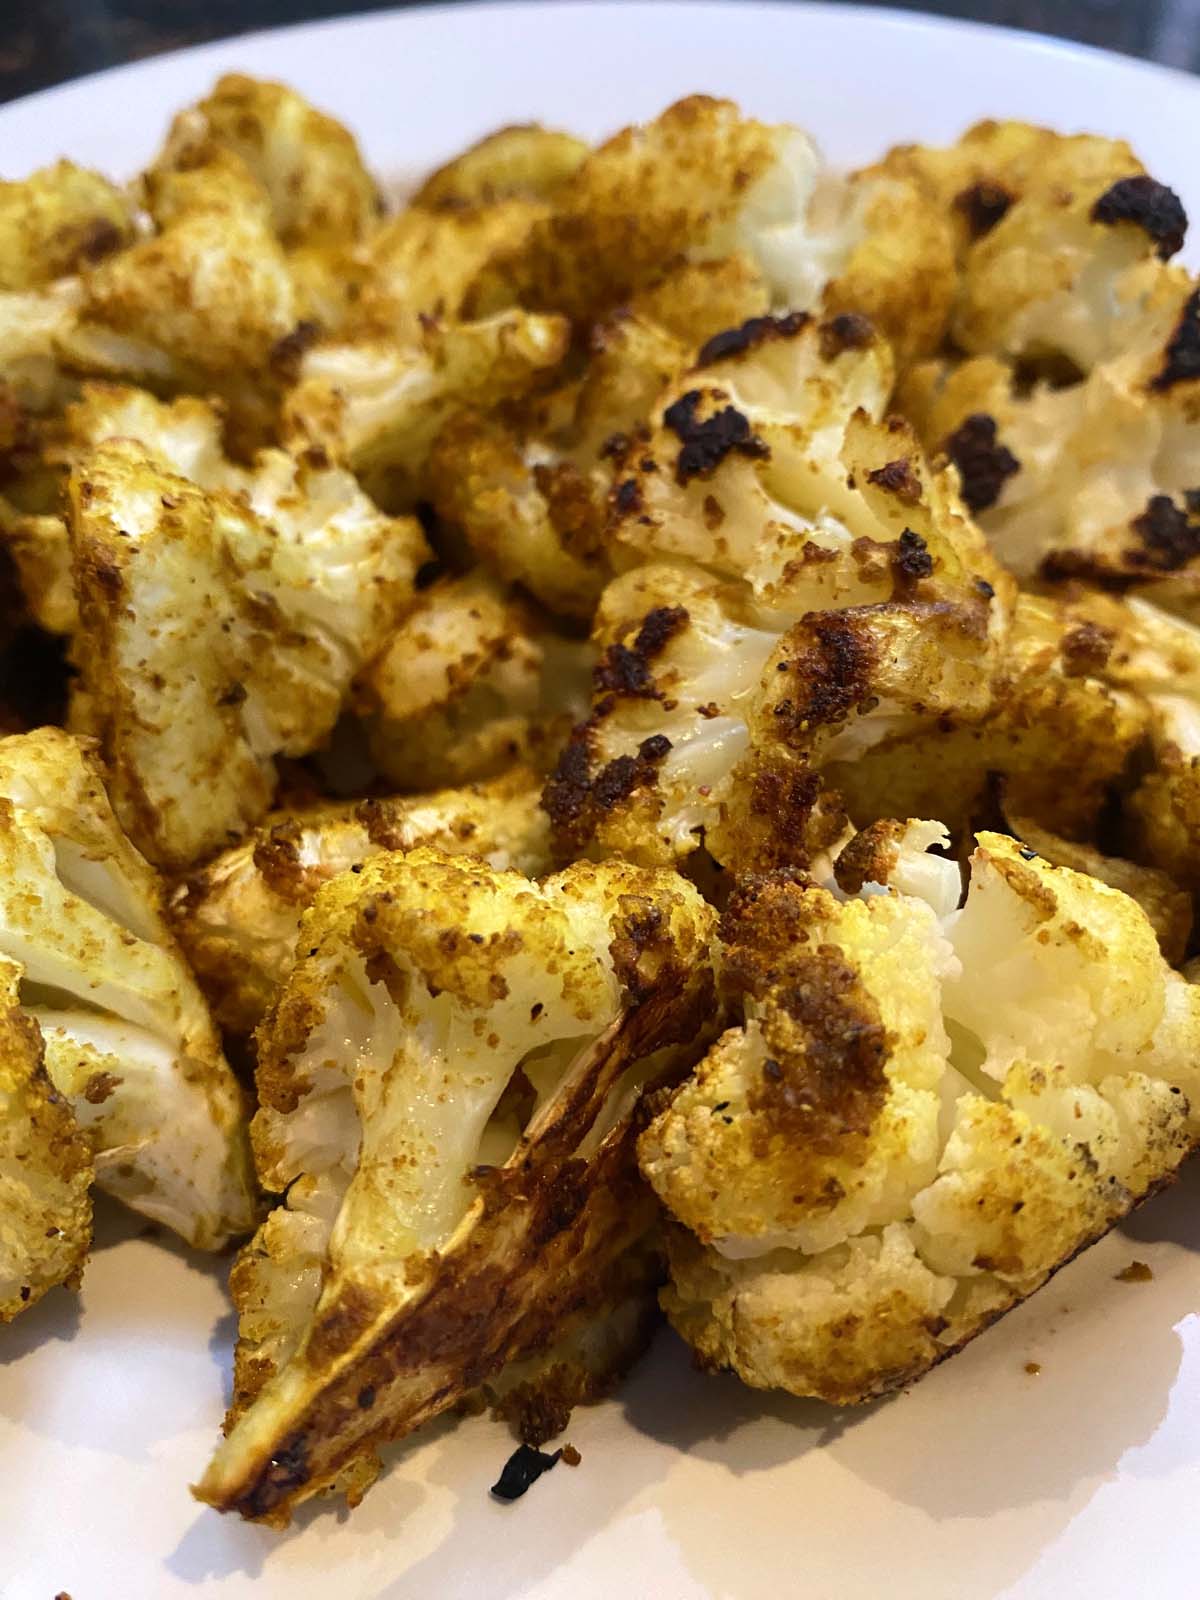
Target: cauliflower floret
pixel 219 631
pixel 529 495
pixel 56 220
pixel 201 304
pixel 525 161
pixel 33 322
pixel 377 404
pixel 1164 809
pixel 1061 238
pixel 308 163
pixel 921 1116
pixel 128 1040
pixel 45 1166
pixel 702 182
pixel 1094 480
pixel 237 917
pixel 470 681
pixel 1058 732
pixel 452 1023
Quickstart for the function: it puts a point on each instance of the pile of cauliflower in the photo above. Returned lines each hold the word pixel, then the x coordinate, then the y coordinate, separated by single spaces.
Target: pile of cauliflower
pixel 625 736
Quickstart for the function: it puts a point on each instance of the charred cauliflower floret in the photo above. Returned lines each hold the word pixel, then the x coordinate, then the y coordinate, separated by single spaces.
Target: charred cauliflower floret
pixel 447 1087
pixel 219 630
pixel 1062 239
pixel 1095 480
pixel 702 182
pixel 237 917
pixel 920 1117
pixel 57 220
pixel 377 404
pixel 825 593
pixel 45 1166
pixel 308 163
pixel 128 1039
pixel 469 682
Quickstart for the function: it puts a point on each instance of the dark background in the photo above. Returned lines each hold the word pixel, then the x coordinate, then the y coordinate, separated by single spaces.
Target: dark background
pixel 46 41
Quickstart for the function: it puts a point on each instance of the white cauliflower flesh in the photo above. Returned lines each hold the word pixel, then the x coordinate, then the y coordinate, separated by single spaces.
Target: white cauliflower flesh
pixel 446 1088
pixel 45 1166
pixel 237 917
pixel 128 1039
pixel 924 1112
pixel 470 681
pixel 220 630
pixel 32 322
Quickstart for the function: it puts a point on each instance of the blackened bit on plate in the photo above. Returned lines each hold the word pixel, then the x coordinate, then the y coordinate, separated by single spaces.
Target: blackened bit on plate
pixel 521 1471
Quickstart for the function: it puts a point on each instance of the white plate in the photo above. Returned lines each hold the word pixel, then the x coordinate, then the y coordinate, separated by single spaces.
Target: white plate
pixel 986 1480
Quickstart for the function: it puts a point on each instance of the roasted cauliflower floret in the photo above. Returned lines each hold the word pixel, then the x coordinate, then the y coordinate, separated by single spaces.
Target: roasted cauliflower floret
pixel 237 917
pixel 469 682
pixel 1094 480
pixel 446 1090
pixel 45 1166
pixel 128 1039
pixel 308 163
pixel 33 323
pixel 1059 731
pixel 1061 238
pixel 377 404
pixel 525 161
pixel 201 304
pixel 219 630
pixel 702 182
pixel 836 1232
pixel 57 220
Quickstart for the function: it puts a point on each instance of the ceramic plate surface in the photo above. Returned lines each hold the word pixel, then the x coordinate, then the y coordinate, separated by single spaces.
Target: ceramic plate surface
pixel 987 1480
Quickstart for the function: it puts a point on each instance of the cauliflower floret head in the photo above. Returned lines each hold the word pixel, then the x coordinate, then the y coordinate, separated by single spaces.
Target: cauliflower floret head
pixel 1061 239
pixel 923 1113
pixel 377 403
pixel 57 220
pixel 128 1039
pixel 524 161
pixel 308 163
pixel 469 682
pixel 220 630
pixel 45 1166
pixel 238 916
pixel 446 1086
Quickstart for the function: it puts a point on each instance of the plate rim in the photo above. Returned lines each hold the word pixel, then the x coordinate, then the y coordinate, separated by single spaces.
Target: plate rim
pixel 911 24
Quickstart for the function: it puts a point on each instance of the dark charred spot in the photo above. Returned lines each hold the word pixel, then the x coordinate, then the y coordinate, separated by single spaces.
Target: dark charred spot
pixel 235 695
pixel 1086 649
pixel 93 241
pixel 99 1086
pixel 983 205
pixel 627 497
pixel 1169 537
pixel 287 1470
pixel 288 352
pixel 898 478
pixel 1154 208
pixel 849 330
pixel 366 1397
pixel 704 445
pixel 831 667
pixel 615 447
pixel 521 1471
pixel 626 669
pixel 753 332
pixel 911 560
pixel 984 464
pixel 577 802
pixel 1181 362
